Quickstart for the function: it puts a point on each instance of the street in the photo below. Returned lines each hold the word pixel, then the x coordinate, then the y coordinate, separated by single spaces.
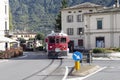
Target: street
pixel 110 70
pixel 36 66
pixel 33 66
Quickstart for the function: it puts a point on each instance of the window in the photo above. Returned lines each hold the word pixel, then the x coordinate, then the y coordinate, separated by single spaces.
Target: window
pixel 70 31
pixel 5 9
pixel 51 40
pixel 69 12
pixel 99 23
pixel 80 42
pixel 70 18
pixel 80 18
pixel 79 11
pixel 63 40
pixel 5 25
pixel 80 31
pixel 57 40
pixel 90 10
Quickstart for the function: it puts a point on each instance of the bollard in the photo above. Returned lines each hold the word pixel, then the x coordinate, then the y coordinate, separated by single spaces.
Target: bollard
pixel 89 58
pixel 77 65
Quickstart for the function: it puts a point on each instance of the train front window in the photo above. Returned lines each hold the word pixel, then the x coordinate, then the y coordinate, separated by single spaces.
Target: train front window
pixel 57 40
pixel 63 40
pixel 51 40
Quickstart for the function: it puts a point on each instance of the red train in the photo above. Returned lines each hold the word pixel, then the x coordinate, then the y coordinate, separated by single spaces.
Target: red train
pixel 57 44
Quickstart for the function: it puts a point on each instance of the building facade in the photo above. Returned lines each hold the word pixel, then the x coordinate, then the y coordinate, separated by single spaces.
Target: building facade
pixel 4 17
pixel 103 28
pixel 24 35
pixel 89 25
pixel 73 22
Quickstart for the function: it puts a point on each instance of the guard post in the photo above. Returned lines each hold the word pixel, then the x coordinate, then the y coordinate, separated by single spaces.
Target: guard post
pixel 77 56
pixel 89 57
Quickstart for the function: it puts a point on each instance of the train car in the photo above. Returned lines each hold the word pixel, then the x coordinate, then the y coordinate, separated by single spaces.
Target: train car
pixel 57 44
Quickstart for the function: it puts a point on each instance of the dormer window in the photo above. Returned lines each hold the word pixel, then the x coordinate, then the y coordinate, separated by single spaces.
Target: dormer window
pixel 79 11
pixel 90 10
pixel 69 12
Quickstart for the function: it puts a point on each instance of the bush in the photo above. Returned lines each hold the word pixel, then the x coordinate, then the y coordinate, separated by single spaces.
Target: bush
pixel 98 50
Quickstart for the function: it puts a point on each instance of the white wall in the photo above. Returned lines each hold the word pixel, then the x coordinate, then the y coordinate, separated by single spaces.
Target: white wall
pixel 4 16
pixel 110 31
pixel 74 24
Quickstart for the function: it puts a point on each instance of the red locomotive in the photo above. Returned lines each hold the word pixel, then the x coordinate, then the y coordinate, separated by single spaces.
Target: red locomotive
pixel 57 44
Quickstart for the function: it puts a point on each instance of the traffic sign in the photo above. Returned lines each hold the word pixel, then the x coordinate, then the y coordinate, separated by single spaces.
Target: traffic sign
pixel 77 56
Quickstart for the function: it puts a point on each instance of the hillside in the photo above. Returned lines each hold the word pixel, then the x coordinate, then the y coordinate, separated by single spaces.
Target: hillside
pixel 36 15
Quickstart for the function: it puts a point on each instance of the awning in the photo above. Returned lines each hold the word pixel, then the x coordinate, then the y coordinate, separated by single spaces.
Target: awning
pixel 5 39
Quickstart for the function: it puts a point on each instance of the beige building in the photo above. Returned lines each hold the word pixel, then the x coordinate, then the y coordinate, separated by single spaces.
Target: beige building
pixel 89 25
pixel 73 22
pixel 103 28
pixel 24 35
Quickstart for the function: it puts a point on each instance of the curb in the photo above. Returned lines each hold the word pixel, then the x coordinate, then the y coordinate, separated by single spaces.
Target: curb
pixel 117 54
pixel 85 70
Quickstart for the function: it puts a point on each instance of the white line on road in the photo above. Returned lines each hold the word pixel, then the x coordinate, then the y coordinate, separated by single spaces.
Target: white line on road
pixel 3 61
pixel 23 56
pixel 66 73
pixel 81 78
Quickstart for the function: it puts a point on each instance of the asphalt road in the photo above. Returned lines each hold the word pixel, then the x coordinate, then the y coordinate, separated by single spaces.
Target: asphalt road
pixel 111 70
pixel 36 66
pixel 33 66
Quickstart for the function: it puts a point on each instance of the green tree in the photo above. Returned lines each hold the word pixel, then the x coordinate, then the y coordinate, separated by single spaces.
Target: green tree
pixel 10 20
pixel 40 36
pixel 58 27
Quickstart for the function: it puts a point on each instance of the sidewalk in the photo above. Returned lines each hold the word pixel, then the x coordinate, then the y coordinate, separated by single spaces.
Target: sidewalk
pixel 111 56
pixel 84 71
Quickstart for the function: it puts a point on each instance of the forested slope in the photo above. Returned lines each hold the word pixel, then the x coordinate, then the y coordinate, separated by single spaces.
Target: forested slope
pixel 37 14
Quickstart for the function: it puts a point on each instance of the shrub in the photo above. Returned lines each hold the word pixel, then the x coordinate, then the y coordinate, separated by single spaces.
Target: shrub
pixel 98 50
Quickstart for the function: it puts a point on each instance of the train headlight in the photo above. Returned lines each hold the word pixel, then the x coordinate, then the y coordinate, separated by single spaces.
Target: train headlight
pixel 50 46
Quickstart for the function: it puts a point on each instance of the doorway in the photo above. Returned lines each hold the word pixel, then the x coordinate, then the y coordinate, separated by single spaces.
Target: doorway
pixel 71 46
pixel 100 42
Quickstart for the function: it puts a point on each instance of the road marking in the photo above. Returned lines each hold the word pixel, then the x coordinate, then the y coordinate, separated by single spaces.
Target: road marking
pixel 3 61
pixel 81 78
pixel 66 73
pixel 23 56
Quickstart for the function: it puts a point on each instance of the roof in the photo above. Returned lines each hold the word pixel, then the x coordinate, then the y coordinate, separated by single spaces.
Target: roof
pixel 84 5
pixel 57 34
pixel 106 10
pixel 116 9
pixel 5 39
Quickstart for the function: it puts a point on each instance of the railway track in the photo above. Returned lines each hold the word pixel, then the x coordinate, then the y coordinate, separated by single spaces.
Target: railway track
pixel 46 72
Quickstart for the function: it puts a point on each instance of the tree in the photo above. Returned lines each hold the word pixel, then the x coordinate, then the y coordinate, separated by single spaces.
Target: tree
pixel 10 20
pixel 40 36
pixel 58 19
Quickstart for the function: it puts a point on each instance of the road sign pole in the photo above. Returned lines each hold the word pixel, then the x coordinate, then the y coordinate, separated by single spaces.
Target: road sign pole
pixel 77 65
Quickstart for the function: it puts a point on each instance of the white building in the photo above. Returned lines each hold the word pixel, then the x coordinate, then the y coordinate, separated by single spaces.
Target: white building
pixel 4 24
pixel 73 22
pixel 103 28
pixel 4 17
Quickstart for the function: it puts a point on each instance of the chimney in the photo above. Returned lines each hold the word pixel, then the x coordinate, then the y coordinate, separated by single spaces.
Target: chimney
pixel 116 3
